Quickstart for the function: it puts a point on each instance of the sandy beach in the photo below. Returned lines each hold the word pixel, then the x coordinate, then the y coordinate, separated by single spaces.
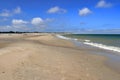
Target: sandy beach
pixel 46 57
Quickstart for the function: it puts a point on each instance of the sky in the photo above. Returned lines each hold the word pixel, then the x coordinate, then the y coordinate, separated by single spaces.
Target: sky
pixel 78 16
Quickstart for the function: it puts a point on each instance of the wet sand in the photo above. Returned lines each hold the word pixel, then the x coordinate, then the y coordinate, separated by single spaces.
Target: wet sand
pixel 45 57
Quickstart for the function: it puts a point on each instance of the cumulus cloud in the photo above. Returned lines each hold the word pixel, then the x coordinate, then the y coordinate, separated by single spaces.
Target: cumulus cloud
pixel 5 28
pixel 37 21
pixel 18 22
pixel 19 25
pixel 47 20
pixel 84 12
pixel 3 20
pixel 103 4
pixel 5 13
pixel 17 10
pixel 56 9
pixel 36 24
pixel 14 28
pixel 8 13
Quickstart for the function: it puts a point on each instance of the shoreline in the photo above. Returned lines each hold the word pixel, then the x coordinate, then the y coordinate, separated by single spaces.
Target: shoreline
pixel 46 57
pixel 113 60
pixel 93 44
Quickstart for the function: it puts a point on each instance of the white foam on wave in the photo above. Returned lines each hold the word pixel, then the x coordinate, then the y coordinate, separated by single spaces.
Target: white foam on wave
pixel 88 42
pixel 62 37
pixel 112 48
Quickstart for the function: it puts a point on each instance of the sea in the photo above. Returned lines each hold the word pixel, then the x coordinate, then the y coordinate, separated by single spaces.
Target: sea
pixel 107 45
pixel 103 41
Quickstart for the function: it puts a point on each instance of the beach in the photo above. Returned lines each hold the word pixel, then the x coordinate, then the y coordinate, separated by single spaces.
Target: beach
pixel 44 56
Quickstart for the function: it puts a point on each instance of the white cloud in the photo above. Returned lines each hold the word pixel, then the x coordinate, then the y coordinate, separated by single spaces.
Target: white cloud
pixel 56 9
pixel 103 4
pixel 18 22
pixel 4 19
pixel 17 10
pixel 36 24
pixel 84 12
pixel 5 13
pixel 16 25
pixel 5 28
pixel 49 20
pixel 37 21
pixel 8 13
pixel 19 25
pixel 14 28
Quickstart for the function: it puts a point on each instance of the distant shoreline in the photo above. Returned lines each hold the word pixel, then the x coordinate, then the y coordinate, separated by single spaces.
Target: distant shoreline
pixel 19 32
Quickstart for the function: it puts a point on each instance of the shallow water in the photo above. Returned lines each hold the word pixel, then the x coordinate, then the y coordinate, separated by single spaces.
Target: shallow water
pixel 104 41
pixel 113 57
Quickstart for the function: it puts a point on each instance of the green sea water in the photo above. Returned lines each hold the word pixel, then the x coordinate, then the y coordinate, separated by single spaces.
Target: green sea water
pixel 105 39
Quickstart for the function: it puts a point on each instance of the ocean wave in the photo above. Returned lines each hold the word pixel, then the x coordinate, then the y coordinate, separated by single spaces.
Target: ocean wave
pixel 112 48
pixel 63 37
pixel 88 42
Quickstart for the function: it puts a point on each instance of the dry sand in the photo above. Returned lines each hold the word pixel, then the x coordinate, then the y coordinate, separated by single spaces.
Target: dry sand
pixel 45 57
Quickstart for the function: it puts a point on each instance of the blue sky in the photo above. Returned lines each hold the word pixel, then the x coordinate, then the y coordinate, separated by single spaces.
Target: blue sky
pixel 84 16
